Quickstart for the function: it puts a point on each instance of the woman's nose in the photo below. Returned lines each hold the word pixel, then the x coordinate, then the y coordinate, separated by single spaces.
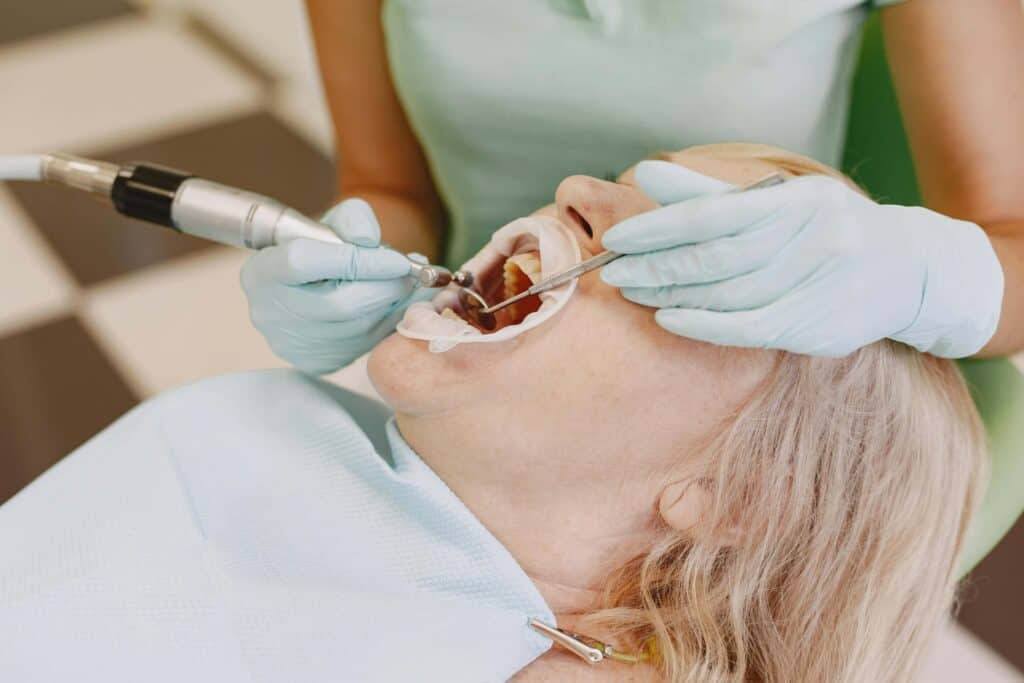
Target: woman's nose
pixel 591 207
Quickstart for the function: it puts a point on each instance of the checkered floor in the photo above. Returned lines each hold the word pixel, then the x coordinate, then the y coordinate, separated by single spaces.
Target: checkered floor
pixel 98 312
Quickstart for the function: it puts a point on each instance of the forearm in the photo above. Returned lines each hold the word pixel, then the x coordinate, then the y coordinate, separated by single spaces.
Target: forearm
pixel 406 223
pixel 956 65
pixel 1008 240
pixel 379 157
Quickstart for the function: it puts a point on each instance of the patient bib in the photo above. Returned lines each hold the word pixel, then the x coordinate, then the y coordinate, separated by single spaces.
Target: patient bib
pixel 246 528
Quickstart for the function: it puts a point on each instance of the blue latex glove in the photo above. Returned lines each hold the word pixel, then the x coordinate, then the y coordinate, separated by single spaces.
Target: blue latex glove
pixel 321 305
pixel 810 266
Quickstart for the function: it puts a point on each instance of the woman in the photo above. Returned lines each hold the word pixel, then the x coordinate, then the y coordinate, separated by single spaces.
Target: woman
pixel 478 108
pixel 786 518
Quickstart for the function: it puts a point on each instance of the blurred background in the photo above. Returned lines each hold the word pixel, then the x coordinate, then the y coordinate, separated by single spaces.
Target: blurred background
pixel 98 313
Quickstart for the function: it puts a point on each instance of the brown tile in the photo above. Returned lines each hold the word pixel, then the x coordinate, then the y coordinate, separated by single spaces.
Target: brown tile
pixel 994 598
pixel 27 18
pixel 58 389
pixel 256 152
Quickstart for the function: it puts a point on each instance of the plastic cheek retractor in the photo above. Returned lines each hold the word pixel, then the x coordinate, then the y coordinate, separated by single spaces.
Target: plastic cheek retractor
pixel 558 250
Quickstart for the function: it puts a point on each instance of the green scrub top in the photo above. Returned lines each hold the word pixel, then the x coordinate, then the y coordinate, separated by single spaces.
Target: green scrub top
pixel 508 98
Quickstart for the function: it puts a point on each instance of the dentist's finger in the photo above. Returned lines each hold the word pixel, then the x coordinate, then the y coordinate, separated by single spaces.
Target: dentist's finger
pixel 746 329
pixel 338 302
pixel 304 260
pixel 715 216
pixel 331 332
pixel 354 221
pixel 366 331
pixel 776 326
pixel 742 293
pixel 701 263
pixel 668 183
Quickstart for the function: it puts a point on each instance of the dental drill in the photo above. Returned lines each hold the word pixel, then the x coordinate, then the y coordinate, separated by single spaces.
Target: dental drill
pixel 193 206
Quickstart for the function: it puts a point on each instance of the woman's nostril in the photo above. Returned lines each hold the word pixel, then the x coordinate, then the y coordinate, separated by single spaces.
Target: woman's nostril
pixel 582 221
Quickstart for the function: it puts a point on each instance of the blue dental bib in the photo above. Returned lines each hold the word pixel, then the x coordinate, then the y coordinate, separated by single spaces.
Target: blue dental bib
pixel 256 527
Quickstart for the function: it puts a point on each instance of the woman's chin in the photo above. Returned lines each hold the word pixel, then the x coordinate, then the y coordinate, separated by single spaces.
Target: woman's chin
pixel 413 380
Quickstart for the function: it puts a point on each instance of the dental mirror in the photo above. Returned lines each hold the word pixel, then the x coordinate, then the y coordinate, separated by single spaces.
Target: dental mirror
pixel 473 306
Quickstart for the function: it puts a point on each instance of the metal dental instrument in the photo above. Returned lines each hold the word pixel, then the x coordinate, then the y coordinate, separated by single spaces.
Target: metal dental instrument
pixel 202 208
pixel 590 649
pixel 473 306
pixel 604 258
pixel 556 280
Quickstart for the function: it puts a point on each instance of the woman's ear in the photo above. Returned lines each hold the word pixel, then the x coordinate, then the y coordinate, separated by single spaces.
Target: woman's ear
pixel 684 504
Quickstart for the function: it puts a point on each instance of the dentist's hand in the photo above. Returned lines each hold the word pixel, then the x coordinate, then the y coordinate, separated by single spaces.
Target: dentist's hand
pixel 810 266
pixel 321 305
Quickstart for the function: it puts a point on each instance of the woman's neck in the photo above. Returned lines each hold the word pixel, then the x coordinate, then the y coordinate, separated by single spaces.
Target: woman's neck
pixel 550 496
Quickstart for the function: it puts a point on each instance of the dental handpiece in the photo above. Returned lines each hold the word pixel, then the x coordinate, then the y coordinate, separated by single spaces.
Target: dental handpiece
pixel 205 209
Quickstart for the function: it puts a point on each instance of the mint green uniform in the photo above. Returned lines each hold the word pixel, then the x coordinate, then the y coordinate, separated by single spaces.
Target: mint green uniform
pixel 508 98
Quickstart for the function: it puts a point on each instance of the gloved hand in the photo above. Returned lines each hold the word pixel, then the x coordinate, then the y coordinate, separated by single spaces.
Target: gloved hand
pixel 321 305
pixel 810 266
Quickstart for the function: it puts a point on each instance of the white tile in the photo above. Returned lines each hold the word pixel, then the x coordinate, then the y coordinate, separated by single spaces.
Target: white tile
pixel 958 656
pixel 182 321
pixel 177 322
pixel 114 82
pixel 305 111
pixel 273 34
pixel 34 285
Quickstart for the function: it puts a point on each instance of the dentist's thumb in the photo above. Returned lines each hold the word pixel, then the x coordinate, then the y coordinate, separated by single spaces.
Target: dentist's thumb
pixel 669 183
pixel 354 221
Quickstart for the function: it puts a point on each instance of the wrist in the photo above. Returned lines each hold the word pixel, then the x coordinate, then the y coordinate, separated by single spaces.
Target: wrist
pixel 962 292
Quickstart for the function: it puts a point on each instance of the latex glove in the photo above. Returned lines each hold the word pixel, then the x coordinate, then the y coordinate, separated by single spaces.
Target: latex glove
pixel 810 266
pixel 321 305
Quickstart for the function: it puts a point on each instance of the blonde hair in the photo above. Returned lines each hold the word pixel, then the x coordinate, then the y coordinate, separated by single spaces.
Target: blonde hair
pixel 853 481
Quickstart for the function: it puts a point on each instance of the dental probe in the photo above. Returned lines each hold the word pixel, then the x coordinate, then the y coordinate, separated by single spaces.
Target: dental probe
pixel 199 207
pixel 604 258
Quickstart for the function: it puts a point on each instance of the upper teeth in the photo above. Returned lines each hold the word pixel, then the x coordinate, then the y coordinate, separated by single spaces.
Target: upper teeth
pixel 528 262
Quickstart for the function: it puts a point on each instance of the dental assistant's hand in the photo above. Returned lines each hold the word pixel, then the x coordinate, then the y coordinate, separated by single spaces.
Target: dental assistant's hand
pixel 810 266
pixel 321 305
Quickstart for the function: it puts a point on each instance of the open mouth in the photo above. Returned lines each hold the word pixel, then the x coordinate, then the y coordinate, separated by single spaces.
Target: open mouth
pixel 520 254
pixel 505 278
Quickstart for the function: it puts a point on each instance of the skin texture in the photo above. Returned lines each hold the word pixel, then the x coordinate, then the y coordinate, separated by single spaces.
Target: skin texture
pixel 620 445
pixel 962 100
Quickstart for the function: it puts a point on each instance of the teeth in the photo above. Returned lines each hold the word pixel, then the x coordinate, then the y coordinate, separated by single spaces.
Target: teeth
pixel 548 239
pixel 521 271
pixel 529 264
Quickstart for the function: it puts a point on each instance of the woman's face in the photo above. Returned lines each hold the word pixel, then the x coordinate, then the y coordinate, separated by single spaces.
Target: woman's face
pixel 600 356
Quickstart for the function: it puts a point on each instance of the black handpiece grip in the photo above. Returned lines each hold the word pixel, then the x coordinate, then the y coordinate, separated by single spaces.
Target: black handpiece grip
pixel 146 192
